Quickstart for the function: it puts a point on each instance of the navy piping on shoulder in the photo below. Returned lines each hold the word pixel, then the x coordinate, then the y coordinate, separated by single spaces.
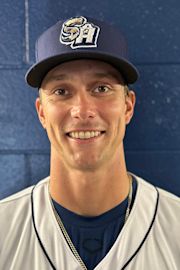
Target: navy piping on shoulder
pixel 146 235
pixel 38 237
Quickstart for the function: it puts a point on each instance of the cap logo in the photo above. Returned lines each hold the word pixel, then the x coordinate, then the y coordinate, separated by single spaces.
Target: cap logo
pixel 79 33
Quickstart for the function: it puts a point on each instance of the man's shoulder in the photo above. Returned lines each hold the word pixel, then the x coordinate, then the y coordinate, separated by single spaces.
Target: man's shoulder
pixel 164 193
pixel 169 204
pixel 21 196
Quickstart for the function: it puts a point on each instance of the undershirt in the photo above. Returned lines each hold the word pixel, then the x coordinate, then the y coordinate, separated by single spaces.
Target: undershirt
pixel 93 237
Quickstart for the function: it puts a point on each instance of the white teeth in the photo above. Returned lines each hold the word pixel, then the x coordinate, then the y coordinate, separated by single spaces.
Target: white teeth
pixel 81 135
pixel 87 134
pixel 84 134
pixel 92 133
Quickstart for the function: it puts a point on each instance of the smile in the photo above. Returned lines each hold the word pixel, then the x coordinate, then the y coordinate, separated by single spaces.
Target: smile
pixel 84 135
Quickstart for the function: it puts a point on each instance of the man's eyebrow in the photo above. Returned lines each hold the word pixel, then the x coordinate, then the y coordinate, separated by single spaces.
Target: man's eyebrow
pixel 58 77
pixel 111 75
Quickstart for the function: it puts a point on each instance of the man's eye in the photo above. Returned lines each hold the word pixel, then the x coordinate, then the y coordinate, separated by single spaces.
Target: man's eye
pixel 61 92
pixel 101 89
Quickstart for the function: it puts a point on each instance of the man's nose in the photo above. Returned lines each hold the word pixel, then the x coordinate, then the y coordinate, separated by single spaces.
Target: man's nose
pixel 83 107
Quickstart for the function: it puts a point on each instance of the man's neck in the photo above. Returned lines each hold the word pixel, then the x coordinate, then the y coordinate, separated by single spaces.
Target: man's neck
pixel 89 193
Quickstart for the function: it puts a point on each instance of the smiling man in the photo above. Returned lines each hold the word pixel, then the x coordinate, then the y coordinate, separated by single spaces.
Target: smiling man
pixel 84 106
pixel 90 213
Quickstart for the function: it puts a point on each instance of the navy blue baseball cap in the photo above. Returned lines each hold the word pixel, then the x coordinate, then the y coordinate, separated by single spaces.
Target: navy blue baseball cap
pixel 80 38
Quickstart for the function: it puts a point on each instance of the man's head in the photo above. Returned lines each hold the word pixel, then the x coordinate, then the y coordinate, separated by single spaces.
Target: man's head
pixel 84 102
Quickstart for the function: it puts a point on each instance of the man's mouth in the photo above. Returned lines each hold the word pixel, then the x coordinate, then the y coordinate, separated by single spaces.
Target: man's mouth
pixel 84 135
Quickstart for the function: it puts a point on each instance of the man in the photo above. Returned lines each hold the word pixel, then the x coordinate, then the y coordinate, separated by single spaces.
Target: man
pixel 90 213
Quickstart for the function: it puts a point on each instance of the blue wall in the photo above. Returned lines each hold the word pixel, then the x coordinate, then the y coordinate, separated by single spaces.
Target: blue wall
pixel 152 143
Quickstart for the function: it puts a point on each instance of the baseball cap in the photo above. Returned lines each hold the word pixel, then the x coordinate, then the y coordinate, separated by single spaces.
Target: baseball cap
pixel 80 38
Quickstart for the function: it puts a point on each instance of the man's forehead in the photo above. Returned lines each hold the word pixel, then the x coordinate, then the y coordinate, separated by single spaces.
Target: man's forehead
pixel 92 68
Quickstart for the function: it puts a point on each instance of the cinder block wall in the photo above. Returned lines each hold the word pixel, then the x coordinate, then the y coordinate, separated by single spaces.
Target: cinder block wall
pixel 152 143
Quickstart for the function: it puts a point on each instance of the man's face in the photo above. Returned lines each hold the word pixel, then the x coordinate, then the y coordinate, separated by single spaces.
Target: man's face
pixel 84 109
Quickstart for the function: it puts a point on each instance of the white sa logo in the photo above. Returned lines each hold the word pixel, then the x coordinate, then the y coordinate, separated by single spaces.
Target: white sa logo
pixel 78 33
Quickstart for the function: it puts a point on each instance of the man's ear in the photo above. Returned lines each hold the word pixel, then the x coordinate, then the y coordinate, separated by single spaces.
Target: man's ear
pixel 40 111
pixel 130 101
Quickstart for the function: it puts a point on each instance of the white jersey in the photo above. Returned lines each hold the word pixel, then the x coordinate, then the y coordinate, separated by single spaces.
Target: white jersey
pixel 30 237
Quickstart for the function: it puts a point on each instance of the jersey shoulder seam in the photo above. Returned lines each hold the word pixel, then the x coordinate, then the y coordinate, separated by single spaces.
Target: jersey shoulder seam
pixel 17 196
pixel 168 195
pixel 23 193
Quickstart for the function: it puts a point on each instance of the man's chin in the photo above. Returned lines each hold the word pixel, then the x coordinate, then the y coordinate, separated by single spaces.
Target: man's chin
pixel 84 165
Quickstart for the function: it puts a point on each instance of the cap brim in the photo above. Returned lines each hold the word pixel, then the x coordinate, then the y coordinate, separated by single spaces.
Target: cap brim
pixel 37 72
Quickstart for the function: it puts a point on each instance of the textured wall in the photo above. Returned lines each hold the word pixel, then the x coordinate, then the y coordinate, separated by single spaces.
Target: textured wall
pixel 152 143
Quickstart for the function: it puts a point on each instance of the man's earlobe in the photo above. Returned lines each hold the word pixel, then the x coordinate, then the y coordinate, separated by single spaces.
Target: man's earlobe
pixel 40 112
